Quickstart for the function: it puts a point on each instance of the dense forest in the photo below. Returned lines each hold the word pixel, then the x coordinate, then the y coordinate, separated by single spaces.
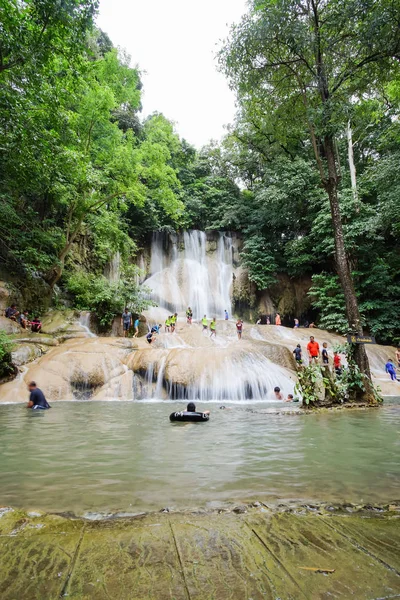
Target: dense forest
pixel 316 138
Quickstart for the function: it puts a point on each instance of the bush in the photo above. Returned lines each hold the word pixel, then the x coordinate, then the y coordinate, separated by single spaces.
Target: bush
pixel 96 294
pixel 6 366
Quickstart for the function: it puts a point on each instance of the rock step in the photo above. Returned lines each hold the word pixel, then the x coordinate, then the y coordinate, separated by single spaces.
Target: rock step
pixel 202 556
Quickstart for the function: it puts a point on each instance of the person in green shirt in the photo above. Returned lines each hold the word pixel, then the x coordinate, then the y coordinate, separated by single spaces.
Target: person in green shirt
pixel 204 322
pixel 167 324
pixel 213 328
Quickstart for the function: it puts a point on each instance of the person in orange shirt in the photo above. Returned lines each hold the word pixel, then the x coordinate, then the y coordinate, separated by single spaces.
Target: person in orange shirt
pixel 313 349
pixel 278 319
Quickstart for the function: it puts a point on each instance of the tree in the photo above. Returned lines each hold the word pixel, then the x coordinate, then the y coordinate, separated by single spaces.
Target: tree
pixel 305 60
pixel 34 31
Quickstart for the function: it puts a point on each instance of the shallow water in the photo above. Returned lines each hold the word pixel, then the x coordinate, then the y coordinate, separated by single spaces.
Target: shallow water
pixel 127 456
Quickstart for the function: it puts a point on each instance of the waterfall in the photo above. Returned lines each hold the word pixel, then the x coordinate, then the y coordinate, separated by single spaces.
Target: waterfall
pixel 195 268
pixel 192 269
pixel 112 269
pixel 84 322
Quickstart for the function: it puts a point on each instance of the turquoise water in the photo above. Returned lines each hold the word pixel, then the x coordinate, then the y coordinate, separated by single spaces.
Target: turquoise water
pixel 126 456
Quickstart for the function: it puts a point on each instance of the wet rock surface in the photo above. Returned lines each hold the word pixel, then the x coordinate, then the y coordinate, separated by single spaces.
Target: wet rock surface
pixel 203 556
pixel 25 353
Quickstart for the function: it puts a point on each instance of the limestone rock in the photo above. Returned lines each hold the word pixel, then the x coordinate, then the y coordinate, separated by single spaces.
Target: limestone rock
pixel 37 338
pixel 10 326
pixel 58 321
pixel 25 353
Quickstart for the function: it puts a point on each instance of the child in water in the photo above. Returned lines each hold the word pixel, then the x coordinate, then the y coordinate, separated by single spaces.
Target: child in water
pixel 278 393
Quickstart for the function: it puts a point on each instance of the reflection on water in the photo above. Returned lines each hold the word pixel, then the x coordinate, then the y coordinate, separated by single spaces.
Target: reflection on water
pixel 119 456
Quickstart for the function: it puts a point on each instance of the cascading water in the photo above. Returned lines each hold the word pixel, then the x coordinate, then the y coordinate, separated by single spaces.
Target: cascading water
pixel 196 269
pixel 193 269
pixel 84 322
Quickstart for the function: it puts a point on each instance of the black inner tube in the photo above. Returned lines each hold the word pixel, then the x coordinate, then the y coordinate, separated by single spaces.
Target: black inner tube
pixel 195 417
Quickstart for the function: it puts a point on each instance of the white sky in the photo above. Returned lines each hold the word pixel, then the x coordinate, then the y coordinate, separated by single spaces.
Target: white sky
pixel 175 42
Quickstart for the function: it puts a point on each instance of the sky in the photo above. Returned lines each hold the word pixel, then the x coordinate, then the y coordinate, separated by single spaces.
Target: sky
pixel 174 43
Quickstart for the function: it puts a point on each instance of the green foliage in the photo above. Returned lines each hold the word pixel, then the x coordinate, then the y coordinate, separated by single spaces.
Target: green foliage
pixel 352 381
pixel 313 383
pixel 327 295
pixel 309 381
pixel 35 30
pixel 258 257
pixel 76 162
pixel 6 345
pixel 104 299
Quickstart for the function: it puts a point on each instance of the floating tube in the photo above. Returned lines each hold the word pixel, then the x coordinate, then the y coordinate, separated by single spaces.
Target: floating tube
pixel 194 417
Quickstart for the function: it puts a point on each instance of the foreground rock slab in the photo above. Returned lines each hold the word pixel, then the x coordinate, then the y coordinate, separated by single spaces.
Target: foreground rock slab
pixel 186 556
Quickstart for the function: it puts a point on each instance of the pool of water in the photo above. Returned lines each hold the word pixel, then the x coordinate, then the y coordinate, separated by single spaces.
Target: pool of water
pixel 127 456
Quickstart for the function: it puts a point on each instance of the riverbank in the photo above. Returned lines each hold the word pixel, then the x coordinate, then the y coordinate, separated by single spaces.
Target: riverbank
pixel 255 553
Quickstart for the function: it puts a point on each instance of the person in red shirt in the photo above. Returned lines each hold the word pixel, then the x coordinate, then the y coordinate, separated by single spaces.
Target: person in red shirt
pixel 337 363
pixel 313 349
pixel 278 319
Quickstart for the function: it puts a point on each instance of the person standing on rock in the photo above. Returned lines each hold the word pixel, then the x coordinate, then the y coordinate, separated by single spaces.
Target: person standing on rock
pixel 391 369
pixel 226 315
pixel 37 400
pixel 297 354
pixel 126 321
pixel 296 324
pixel 325 357
pixel 313 349
pixel 174 320
pixel 136 326
pixel 213 328
pixel 204 322
pixel 278 319
pixel 337 364
pixel 239 328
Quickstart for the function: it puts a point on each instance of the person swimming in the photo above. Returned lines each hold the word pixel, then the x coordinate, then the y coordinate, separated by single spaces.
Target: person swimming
pixel 191 407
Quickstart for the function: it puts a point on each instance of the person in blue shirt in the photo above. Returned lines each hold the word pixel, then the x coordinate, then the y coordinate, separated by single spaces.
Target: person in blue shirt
pixel 226 315
pixel 297 354
pixel 37 399
pixel 391 369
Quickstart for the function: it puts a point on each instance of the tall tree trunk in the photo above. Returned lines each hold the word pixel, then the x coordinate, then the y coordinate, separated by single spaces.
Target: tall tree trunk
pixel 343 268
pixel 352 167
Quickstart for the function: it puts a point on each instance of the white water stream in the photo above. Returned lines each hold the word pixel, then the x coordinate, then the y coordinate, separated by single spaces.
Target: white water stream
pixel 192 269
